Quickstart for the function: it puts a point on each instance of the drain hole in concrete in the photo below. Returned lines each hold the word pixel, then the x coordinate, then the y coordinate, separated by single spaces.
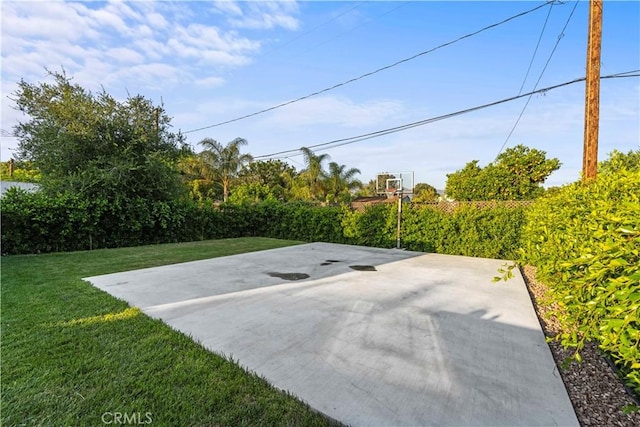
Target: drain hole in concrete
pixel 333 260
pixel 289 276
pixel 363 267
pixel 325 263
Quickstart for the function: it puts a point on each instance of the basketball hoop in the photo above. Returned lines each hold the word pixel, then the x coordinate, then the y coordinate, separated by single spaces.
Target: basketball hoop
pixel 390 183
pixel 395 184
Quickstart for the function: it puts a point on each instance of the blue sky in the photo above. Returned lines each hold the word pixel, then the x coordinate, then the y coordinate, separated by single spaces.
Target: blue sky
pixel 215 61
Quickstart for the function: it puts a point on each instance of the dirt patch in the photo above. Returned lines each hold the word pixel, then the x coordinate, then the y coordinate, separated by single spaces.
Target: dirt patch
pixel 289 276
pixel 363 267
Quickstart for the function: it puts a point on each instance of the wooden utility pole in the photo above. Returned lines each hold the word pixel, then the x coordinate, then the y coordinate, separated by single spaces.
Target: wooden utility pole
pixel 592 93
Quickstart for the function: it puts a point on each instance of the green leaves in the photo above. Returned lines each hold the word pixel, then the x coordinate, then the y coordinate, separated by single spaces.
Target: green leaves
pixel 585 241
pixel 38 223
pixel 95 145
pixel 223 163
pixel 515 175
pixel 489 232
pixel 507 272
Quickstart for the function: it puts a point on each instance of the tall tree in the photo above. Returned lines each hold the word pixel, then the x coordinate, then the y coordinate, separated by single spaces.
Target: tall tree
pixel 381 181
pixel 199 177
pixel 340 181
pixel 274 174
pixel 467 183
pixel 225 159
pixel 95 145
pixel 367 190
pixel 517 174
pixel 619 161
pixel 19 171
pixel 423 193
pixel 313 176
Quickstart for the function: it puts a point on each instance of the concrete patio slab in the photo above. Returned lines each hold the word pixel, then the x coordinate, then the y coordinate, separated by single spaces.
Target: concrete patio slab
pixel 368 336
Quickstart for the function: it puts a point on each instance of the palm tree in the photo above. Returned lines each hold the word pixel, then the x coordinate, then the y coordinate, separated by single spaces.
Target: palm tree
pixel 341 181
pixel 198 176
pixel 313 175
pixel 225 160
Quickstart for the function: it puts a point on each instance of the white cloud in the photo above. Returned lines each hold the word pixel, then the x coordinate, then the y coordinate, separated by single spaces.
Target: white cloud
pixel 125 55
pixel 210 81
pixel 202 113
pixel 266 15
pixel 104 18
pixel 337 111
pixel 99 44
pixel 154 75
pixel 210 38
pixel 154 50
pixel 228 7
pixel 157 21
pixel 209 45
pixel 52 21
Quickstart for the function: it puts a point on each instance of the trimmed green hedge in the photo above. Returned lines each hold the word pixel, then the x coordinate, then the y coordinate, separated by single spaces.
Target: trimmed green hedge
pixel 585 241
pixel 488 232
pixel 292 221
pixel 36 223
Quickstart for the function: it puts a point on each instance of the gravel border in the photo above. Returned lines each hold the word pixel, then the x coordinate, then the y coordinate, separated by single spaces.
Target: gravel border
pixel 597 394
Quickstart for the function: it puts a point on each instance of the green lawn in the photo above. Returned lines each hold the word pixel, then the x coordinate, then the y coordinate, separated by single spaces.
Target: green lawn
pixel 74 355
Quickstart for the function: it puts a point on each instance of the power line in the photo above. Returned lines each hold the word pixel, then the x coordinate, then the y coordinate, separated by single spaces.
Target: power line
pixel 535 51
pixel 402 61
pixel 560 37
pixel 358 138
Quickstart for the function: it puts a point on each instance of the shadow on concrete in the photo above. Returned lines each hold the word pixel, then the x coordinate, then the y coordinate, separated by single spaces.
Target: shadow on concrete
pixel 441 368
pixel 425 339
pixel 237 273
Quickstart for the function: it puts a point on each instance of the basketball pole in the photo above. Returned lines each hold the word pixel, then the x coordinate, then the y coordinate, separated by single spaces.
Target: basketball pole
pixel 399 217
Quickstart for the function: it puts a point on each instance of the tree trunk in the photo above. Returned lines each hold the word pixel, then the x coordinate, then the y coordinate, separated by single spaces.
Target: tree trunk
pixel 225 188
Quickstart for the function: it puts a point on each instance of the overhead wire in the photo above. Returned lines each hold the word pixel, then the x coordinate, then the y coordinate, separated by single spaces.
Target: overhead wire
pixel 402 61
pixel 358 138
pixel 535 51
pixel 560 37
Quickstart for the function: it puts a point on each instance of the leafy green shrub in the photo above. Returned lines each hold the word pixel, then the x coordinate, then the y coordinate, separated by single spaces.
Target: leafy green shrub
pixel 424 228
pixel 39 223
pixel 490 232
pixel 618 161
pixel 300 221
pixel 33 222
pixel 585 241
pixel 22 172
pixel 248 193
pixel 375 226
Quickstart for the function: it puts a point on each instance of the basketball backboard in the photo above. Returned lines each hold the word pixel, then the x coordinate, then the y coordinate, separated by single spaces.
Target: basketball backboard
pixel 396 182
